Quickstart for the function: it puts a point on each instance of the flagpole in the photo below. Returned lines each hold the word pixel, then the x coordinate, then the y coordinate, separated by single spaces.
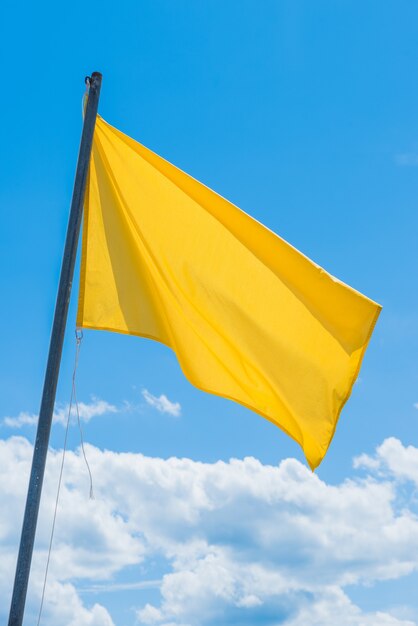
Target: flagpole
pixel 54 358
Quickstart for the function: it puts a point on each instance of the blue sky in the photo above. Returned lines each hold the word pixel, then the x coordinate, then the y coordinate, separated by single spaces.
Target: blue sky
pixel 302 113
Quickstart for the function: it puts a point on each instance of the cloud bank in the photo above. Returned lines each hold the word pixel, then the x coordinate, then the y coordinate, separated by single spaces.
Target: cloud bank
pixel 241 543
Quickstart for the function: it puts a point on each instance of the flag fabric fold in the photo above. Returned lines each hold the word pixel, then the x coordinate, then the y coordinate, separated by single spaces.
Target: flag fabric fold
pixel 249 317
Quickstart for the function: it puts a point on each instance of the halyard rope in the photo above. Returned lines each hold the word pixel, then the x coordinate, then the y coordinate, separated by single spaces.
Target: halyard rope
pixel 73 399
pixel 79 338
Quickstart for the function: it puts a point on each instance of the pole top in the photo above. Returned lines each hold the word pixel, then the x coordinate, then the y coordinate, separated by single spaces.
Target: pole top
pixel 96 78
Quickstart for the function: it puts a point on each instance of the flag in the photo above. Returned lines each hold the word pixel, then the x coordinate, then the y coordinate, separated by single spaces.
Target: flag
pixel 249 317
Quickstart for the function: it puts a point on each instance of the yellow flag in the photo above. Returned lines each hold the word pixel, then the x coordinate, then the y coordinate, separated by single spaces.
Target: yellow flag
pixel 249 317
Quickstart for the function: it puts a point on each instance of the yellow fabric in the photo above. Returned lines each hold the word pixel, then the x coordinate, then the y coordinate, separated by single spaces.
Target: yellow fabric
pixel 249 317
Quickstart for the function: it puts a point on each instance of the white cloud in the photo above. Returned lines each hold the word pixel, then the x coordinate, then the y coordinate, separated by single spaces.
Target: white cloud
pixel 393 459
pixel 366 462
pixel 86 411
pixel 23 419
pixel 241 542
pixel 162 403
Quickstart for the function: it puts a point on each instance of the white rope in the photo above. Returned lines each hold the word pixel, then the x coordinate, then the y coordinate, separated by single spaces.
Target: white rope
pixel 79 338
pixel 73 398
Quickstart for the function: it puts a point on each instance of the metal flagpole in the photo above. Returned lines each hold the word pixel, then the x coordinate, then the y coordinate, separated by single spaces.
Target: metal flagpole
pixel 54 358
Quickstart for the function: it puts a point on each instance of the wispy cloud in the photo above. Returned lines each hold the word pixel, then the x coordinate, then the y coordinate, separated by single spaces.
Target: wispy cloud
pixel 87 411
pixel 113 587
pixel 407 159
pixel 23 419
pixel 162 403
